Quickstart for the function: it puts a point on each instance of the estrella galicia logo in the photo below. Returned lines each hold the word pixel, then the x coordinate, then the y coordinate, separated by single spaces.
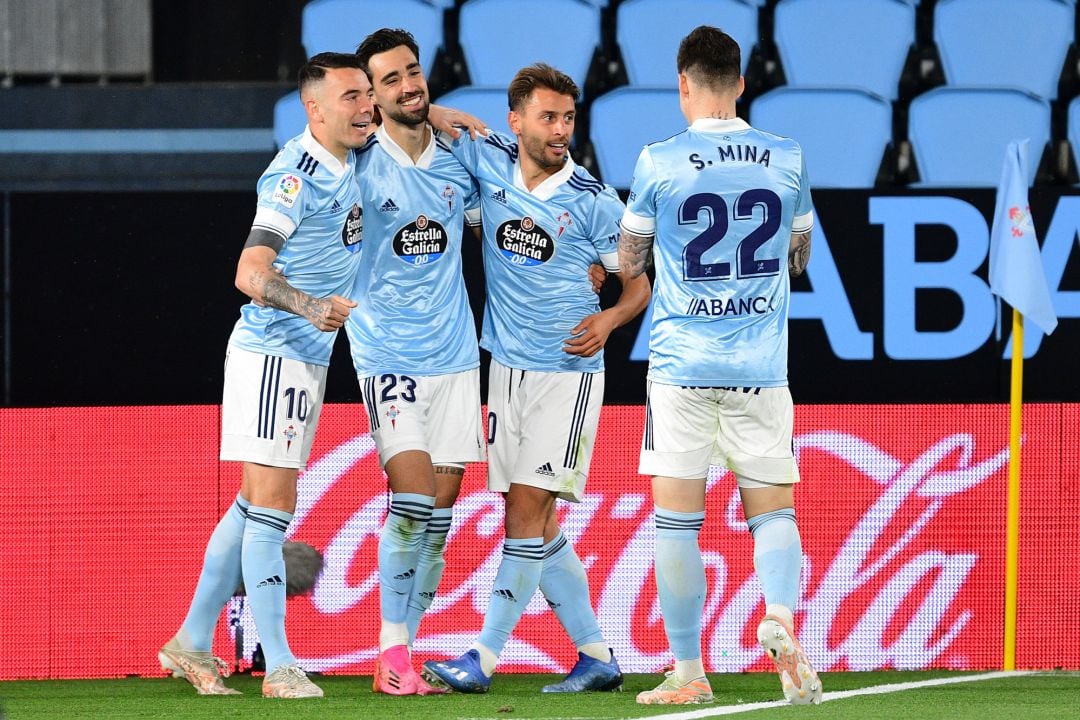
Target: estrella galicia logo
pixel 523 242
pixel 422 241
pixel 352 233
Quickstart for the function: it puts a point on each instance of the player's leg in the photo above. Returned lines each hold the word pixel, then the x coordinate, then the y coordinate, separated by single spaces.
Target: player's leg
pixel 758 428
pixel 456 437
pixel 676 448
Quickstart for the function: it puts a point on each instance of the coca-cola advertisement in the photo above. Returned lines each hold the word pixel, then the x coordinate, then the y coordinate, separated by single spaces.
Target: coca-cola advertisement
pixel 901 509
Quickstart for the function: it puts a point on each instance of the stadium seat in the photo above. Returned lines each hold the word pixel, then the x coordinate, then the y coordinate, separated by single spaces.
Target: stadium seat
pixel 649 32
pixel 340 25
pixel 843 132
pixel 498 38
pixel 627 119
pixel 959 134
pixel 850 43
pixel 289 118
pixel 1073 130
pixel 1004 43
pixel 488 104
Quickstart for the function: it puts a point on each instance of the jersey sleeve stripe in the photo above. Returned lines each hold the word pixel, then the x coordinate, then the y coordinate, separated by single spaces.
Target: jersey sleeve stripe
pixel 638 224
pixel 473 217
pixel 610 261
pixel 803 223
pixel 269 219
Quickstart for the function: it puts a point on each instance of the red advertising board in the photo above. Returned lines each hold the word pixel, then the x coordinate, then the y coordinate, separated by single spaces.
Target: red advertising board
pixel 901 511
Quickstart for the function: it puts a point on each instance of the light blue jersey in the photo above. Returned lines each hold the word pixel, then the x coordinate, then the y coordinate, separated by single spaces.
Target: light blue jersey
pixel 722 199
pixel 414 313
pixel 538 247
pixel 313 202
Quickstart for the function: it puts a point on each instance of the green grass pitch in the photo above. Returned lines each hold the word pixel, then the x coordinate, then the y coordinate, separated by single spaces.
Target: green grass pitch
pixel 1049 695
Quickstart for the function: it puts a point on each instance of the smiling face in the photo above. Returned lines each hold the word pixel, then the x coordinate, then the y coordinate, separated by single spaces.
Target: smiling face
pixel 339 109
pixel 544 125
pixel 399 85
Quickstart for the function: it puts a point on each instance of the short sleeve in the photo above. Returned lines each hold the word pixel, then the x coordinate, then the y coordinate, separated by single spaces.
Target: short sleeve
pixel 804 206
pixel 283 202
pixel 640 215
pixel 604 228
pixel 466 150
pixel 472 206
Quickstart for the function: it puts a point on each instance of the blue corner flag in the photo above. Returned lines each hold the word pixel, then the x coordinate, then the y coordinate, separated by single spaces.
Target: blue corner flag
pixel 1016 269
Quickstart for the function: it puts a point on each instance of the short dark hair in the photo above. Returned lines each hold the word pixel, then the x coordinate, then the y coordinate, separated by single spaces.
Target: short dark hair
pixel 383 40
pixel 315 69
pixel 711 57
pixel 539 75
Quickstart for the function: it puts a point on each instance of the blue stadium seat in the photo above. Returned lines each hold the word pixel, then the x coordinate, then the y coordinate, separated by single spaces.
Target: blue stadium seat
pixel 1073 130
pixel 1004 43
pixel 851 43
pixel 488 104
pixel 340 25
pixel 959 134
pixel 499 37
pixel 627 119
pixel 843 132
pixel 289 118
pixel 649 32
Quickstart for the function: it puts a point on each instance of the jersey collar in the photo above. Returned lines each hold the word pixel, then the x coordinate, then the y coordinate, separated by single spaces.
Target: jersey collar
pixel 324 156
pixel 722 126
pixel 546 189
pixel 400 156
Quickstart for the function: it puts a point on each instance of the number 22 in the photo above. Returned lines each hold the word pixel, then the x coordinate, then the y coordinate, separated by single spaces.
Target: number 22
pixel 717 210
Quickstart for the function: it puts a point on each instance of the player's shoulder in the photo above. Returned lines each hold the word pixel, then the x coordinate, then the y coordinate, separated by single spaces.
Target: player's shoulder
pixel 364 154
pixel 498 145
pixel 667 143
pixel 583 181
pixel 771 138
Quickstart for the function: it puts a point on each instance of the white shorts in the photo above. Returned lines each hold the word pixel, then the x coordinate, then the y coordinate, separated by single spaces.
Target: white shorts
pixel 541 428
pixel 439 414
pixel 270 408
pixel 747 430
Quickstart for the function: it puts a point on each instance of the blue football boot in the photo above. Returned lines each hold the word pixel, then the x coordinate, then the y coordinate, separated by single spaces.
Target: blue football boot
pixel 589 674
pixel 463 674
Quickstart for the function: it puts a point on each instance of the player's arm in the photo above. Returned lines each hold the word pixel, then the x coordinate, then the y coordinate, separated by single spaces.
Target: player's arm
pixel 635 252
pixel 257 278
pixel 798 253
pixel 590 335
pixel 452 121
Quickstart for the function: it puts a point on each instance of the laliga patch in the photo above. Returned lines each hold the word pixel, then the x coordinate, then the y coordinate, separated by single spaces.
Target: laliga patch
pixel 288 190
pixel 421 242
pixel 352 232
pixel 523 242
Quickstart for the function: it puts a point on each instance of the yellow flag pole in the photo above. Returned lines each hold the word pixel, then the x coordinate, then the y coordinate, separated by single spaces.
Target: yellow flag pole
pixel 1012 542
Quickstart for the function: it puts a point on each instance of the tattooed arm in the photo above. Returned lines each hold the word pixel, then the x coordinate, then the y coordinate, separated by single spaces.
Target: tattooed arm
pixel 635 253
pixel 798 253
pixel 257 278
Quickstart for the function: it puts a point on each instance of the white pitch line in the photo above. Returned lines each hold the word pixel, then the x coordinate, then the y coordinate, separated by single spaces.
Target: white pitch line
pixel 842 694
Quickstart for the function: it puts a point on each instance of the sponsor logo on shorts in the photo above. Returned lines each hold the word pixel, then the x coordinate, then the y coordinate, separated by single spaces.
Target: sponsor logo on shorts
pixel 273 580
pixel 288 189
pixel 545 469
pixel 421 242
pixel 352 233
pixel 523 242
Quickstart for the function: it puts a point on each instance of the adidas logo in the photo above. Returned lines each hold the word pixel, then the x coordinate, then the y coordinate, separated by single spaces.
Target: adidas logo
pixel 552 604
pixel 499 196
pixel 389 206
pixel 406 575
pixel 336 206
pixel 504 594
pixel 545 469
pixel 427 595
pixel 275 580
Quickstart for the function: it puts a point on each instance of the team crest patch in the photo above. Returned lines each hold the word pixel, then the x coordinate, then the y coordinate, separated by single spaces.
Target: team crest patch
pixel 393 413
pixel 564 222
pixel 288 190
pixel 448 195
pixel 290 435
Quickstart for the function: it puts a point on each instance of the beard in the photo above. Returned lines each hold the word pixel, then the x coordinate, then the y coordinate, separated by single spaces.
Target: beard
pixel 411 118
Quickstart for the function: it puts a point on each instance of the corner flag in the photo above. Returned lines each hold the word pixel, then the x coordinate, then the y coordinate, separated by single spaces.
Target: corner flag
pixel 1016 270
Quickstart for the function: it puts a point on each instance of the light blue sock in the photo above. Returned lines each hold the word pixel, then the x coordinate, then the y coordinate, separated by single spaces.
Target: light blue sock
pixel 566 587
pixel 399 550
pixel 515 584
pixel 429 569
pixel 777 556
pixel 680 579
pixel 264 580
pixel 218 581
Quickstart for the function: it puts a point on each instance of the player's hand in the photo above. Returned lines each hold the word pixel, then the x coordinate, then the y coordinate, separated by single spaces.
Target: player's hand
pixel 597 276
pixel 330 312
pixel 452 121
pixel 590 335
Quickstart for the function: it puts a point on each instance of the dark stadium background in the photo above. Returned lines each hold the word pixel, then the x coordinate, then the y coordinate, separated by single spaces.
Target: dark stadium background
pixel 118 270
